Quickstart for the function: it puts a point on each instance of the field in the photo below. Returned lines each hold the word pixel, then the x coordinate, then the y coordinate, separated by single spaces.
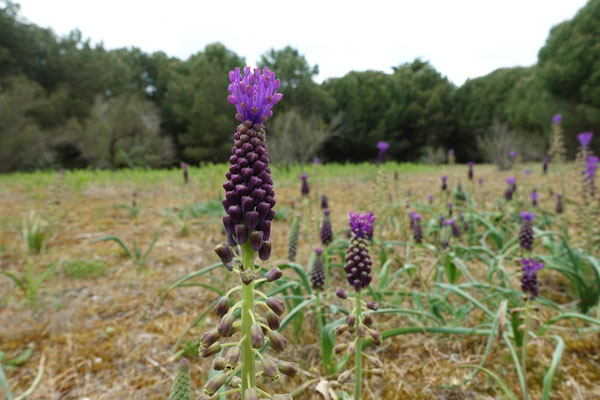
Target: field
pixel 87 273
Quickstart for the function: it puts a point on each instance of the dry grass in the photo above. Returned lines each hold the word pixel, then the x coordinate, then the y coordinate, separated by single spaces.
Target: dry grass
pixel 106 338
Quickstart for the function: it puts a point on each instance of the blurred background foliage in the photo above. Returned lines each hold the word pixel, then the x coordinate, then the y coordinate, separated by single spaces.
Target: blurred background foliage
pixel 65 103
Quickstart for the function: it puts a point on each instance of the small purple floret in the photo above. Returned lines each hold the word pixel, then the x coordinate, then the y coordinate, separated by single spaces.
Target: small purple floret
pixel 527 216
pixel 362 225
pixel 253 94
pixel 585 138
pixel 557 118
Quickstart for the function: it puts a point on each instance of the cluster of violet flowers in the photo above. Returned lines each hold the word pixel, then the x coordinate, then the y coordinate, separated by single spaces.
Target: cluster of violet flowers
pixel 359 321
pixel 249 202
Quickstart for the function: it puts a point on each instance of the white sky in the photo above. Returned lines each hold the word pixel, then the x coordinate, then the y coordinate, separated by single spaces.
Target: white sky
pixel 461 38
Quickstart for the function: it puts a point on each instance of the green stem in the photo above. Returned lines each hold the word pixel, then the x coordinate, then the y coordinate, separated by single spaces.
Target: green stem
pixel 524 351
pixel 319 317
pixel 248 367
pixel 357 351
pixel 326 266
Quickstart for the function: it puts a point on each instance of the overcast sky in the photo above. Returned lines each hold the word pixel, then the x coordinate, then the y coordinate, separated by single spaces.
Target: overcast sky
pixel 461 38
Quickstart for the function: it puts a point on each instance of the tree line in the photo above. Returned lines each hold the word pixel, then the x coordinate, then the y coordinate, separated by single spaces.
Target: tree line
pixel 66 103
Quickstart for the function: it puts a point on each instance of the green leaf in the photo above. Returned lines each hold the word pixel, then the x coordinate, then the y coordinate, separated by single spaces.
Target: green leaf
pixel 556 357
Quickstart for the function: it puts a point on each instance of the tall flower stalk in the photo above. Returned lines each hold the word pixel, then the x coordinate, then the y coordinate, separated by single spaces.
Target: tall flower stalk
pixel 358 273
pixel 557 150
pixel 249 202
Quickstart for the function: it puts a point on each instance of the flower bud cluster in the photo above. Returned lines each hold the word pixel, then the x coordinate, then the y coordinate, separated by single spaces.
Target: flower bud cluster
pixel 263 331
pixel 293 238
pixel 326 232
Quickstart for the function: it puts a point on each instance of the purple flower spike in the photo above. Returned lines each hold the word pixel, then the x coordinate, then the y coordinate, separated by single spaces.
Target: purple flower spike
pixel 480 181
pixel 585 138
pixel 316 160
pixel 362 225
pixel 527 216
pixel 526 230
pixel 527 172
pixel 253 94
pixel 305 189
pixel 249 195
pixel 444 183
pixel 557 118
pixel 430 199
pixel 511 180
pixel 383 148
pixel 470 173
pixel 529 283
pixel 534 198
pixel 451 152
pixel 358 261
pixel 512 154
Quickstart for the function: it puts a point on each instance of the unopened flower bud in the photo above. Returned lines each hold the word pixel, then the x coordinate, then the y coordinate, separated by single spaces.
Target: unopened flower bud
pixel 211 350
pixel 361 330
pixel 339 348
pixel 209 337
pixel 368 320
pixel 232 358
pixel 225 326
pixel 372 306
pixel 257 337
pixel 276 305
pixel 375 337
pixel 273 320
pixel 256 240
pixel 219 364
pixel 215 384
pixel 270 369
pixel 265 251
pixel 241 233
pixel 340 329
pixel 287 368
pixel 251 394
pixel 278 342
pixel 273 274
pixel 350 319
pixel 341 294
pixel 344 376
pixel 235 382
pixel 224 253
pixel 247 276
pixel 351 348
pixel 222 306
pixel 377 371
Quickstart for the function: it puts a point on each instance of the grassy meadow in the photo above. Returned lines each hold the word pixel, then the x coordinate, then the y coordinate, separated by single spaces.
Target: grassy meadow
pixel 88 308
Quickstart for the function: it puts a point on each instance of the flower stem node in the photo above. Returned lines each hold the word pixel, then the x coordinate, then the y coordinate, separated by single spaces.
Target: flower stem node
pixel 247 276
